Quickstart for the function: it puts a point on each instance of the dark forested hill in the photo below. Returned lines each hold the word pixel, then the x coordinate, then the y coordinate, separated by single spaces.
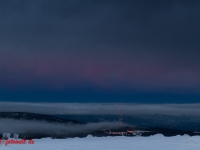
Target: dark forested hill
pixel 34 116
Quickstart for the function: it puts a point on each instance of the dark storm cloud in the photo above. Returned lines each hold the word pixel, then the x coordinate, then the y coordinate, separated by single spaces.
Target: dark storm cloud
pixel 139 45
pixel 158 24
pixel 103 108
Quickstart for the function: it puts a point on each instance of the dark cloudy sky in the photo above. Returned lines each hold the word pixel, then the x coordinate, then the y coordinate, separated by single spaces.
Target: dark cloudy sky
pixel 100 51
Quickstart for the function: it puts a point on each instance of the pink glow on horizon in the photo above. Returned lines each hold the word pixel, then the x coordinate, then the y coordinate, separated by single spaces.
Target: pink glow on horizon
pixel 64 72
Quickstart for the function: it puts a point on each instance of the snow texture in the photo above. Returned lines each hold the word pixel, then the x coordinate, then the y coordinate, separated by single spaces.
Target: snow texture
pixel 156 142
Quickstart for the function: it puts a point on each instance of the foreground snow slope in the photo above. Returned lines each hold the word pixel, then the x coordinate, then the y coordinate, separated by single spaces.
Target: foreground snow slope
pixel 156 142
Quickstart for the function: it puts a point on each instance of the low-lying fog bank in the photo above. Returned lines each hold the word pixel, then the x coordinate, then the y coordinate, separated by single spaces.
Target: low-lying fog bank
pixel 33 127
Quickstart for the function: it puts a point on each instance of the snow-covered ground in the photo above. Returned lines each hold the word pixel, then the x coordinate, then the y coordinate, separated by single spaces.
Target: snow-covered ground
pixel 156 142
